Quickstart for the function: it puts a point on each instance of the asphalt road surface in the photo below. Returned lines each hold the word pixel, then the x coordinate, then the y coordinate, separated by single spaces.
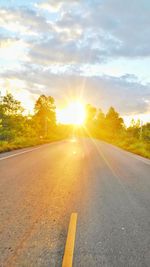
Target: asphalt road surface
pixel 108 188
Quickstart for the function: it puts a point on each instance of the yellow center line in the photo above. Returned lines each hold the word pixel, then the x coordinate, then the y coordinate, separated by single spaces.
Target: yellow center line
pixel 69 248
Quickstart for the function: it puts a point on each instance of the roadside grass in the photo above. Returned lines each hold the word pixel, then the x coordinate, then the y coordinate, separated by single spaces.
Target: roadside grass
pixel 22 142
pixel 135 146
pixel 128 143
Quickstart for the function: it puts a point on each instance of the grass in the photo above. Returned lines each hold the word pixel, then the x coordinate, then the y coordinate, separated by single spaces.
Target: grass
pixel 22 142
pixel 135 146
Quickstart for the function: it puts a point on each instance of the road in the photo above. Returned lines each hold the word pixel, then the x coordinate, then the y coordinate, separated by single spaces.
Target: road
pixel 108 188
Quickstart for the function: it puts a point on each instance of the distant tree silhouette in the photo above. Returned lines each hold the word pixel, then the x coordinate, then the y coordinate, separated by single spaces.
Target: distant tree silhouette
pixel 45 114
pixel 100 119
pixel 146 132
pixel 134 129
pixel 90 114
pixel 113 121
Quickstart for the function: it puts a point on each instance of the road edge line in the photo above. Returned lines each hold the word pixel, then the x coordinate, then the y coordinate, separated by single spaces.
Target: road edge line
pixel 25 151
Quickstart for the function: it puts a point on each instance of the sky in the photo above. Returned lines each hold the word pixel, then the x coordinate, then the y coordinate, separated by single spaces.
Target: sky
pixel 95 50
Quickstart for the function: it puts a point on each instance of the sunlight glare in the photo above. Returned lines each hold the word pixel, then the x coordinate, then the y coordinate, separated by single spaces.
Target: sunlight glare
pixel 73 113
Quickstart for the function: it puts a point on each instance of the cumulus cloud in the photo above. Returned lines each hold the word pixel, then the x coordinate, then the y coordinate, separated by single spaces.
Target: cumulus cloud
pixel 23 21
pixel 102 91
pixel 58 51
pixel 12 50
pixel 55 6
pixel 121 27
pixel 51 6
pixel 103 29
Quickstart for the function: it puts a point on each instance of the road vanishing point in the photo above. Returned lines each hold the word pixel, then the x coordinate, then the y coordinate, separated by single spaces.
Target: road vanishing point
pixel 78 202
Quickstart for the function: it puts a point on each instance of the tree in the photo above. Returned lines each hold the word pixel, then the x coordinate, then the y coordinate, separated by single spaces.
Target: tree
pixel 11 106
pixel 100 118
pixel 11 117
pixel 90 119
pixel 90 114
pixel 133 130
pixel 146 132
pixel 114 122
pixel 0 123
pixel 45 114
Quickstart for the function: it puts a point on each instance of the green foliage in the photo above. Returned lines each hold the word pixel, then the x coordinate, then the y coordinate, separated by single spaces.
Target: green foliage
pixel 10 116
pixel 113 121
pixel 18 130
pixel 90 114
pixel 10 106
pixel 134 129
pixel 100 119
pixel 145 132
pixel 45 115
pixel 111 128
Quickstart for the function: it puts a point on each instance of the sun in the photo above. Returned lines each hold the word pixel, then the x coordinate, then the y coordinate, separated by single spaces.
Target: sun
pixel 73 113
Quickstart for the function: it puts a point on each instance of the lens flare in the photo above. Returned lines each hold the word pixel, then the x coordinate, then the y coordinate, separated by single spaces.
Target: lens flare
pixel 73 113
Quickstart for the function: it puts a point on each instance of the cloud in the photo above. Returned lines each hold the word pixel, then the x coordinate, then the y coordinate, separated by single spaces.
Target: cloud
pixel 12 50
pixel 103 30
pixel 58 51
pixel 94 32
pixel 120 27
pixel 51 6
pixel 55 6
pixel 23 21
pixel 102 91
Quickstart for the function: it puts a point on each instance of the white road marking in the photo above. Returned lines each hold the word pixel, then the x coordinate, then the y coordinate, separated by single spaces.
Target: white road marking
pixel 145 160
pixel 131 154
pixel 20 153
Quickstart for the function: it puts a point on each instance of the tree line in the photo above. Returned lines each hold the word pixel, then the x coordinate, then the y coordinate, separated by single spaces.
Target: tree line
pixel 111 126
pixel 21 130
pixel 14 123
